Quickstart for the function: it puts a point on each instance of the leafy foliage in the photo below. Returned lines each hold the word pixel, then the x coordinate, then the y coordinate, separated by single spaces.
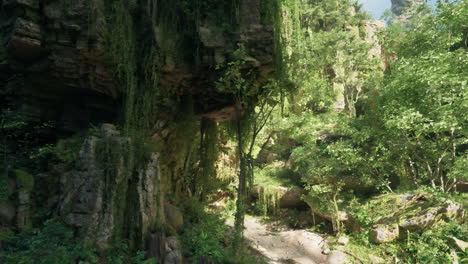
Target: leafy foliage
pixel 431 246
pixel 424 105
pixel 56 243
pixel 204 237
pixel 207 238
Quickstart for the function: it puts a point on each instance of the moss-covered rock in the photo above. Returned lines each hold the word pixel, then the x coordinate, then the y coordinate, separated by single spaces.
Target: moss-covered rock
pixel 427 211
pixel 174 217
pixel 106 196
pixel 24 180
pixel 384 233
pixel 383 205
pixel 392 213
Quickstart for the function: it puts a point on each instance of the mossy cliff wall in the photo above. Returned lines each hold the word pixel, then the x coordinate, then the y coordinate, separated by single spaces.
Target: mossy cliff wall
pixel 63 51
pixel 149 66
pixel 106 198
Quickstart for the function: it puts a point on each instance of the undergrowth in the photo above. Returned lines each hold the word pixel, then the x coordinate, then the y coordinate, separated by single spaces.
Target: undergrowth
pixel 433 245
pixel 206 237
pixel 56 243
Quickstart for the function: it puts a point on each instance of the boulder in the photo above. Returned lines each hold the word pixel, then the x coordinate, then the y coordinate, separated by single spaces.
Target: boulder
pixel 337 257
pixel 292 198
pixel 423 216
pixel 376 260
pixel 462 187
pixel 384 233
pixel 288 197
pixel 174 217
pixel 173 243
pixel 460 244
pixel 109 130
pixel 174 257
pixel 413 212
pixel 343 240
pixel 420 221
pixel 452 210
pixel 210 37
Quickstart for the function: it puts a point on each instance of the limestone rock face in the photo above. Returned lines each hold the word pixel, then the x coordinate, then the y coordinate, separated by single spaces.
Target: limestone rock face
pixel 173 257
pixel 82 196
pixel 26 40
pixel 99 197
pixel 60 48
pixel 404 9
pixel 51 58
pixel 56 47
pixel 59 41
pixel 346 78
pixel 150 196
pixel 372 28
pixel 398 6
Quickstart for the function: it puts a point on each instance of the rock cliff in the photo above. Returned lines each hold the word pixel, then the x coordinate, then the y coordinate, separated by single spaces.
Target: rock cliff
pixel 405 9
pixel 57 64
pixel 61 50
pixel 95 196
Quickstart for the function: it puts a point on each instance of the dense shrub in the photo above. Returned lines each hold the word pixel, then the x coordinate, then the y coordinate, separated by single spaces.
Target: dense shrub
pixel 204 236
pixel 55 243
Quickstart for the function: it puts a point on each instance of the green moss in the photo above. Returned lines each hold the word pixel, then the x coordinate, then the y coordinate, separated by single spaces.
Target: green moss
pixel 268 11
pixel 274 174
pixel 383 205
pixel 208 156
pixel 112 154
pixel 269 200
pixel 24 180
pixel 68 149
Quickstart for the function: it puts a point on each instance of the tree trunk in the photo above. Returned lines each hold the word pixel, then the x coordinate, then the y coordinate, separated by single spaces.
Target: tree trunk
pixel 337 221
pixel 241 190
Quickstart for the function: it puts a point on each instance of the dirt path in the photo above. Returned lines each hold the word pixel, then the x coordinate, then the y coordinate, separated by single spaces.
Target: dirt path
pixel 288 246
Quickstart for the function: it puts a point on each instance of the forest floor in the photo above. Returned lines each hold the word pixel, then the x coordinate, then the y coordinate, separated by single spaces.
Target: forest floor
pixel 283 245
